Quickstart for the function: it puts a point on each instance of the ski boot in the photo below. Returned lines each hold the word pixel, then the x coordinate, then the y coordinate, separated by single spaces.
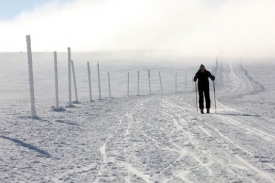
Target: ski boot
pixel 202 111
pixel 208 111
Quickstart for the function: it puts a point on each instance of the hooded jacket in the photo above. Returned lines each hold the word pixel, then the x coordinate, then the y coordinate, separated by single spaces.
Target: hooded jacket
pixel 203 82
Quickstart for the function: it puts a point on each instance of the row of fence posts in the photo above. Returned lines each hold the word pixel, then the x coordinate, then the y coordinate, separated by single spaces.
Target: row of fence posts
pixel 71 71
pixel 71 65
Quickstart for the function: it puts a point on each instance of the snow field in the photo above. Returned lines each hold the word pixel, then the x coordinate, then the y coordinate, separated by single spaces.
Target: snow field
pixel 148 138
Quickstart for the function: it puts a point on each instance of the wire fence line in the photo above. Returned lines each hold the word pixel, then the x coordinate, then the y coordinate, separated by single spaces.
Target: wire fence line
pixel 98 81
pixel 141 84
pixel 136 82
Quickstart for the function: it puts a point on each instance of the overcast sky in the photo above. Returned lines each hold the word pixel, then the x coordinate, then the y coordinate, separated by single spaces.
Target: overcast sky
pixel 237 28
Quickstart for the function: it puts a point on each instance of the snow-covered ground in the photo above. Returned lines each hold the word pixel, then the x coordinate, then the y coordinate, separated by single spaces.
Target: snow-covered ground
pixel 147 138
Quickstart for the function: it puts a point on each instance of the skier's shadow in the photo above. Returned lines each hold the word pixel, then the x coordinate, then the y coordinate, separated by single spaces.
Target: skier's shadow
pixel 239 114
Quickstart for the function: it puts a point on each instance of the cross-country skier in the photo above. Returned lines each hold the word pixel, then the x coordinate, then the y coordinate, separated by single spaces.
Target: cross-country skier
pixel 203 84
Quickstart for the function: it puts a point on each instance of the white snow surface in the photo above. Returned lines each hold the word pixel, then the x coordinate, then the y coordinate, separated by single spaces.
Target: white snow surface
pixel 147 138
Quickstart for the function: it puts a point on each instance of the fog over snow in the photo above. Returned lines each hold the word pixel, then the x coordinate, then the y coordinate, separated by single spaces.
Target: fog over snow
pixel 182 27
pixel 127 124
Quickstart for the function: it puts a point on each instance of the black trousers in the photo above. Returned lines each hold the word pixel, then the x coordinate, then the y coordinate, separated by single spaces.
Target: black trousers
pixel 204 93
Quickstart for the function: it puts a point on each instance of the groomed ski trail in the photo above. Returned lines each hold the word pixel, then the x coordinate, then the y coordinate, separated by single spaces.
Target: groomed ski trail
pixel 149 139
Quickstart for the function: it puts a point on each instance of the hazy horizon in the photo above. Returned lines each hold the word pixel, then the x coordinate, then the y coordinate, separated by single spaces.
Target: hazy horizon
pixel 185 28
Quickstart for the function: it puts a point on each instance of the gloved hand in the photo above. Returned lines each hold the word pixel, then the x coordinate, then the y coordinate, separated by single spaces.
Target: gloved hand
pixel 213 78
pixel 195 80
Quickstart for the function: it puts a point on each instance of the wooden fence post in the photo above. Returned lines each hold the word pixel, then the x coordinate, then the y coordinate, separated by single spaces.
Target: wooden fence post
pixel 160 83
pixel 110 95
pixel 56 81
pixel 149 78
pixel 98 73
pixel 69 77
pixel 128 87
pixel 176 83
pixel 90 83
pixel 29 50
pixel 138 83
pixel 75 88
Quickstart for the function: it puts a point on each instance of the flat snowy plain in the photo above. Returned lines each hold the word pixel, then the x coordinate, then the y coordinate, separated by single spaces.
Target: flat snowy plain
pixel 146 138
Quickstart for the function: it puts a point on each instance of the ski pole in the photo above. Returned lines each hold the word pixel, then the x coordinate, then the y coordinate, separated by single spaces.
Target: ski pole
pixel 215 97
pixel 196 97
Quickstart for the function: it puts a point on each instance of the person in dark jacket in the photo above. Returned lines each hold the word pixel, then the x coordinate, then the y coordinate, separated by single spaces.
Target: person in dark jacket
pixel 203 85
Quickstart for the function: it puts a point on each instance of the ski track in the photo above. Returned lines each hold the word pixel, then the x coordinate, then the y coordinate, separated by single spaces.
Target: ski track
pixel 207 132
pixel 261 173
pixel 163 139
